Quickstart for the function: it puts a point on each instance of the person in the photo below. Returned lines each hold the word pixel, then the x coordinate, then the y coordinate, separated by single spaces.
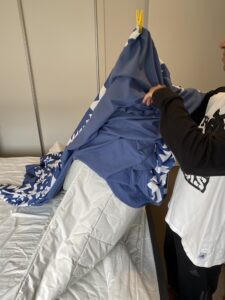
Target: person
pixel 195 234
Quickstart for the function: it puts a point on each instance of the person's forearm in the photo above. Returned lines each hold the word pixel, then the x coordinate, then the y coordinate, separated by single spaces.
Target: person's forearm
pixel 197 153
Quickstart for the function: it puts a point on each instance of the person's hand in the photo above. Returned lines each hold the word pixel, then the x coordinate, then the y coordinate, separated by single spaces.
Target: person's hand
pixel 147 100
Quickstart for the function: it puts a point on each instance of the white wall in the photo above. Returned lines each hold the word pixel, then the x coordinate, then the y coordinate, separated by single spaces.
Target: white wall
pixel 62 42
pixel 62 46
pixel 54 54
pixel 18 128
pixel 120 20
pixel 187 35
pixel 74 44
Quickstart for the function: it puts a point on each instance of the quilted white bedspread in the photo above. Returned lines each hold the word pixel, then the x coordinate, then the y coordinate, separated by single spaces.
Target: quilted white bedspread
pixel 84 244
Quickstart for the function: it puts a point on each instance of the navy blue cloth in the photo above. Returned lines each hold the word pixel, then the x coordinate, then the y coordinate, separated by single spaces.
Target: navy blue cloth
pixel 121 142
pixel 119 137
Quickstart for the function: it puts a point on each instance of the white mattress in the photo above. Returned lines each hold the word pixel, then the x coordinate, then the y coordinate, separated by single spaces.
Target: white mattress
pixel 12 169
pixel 60 251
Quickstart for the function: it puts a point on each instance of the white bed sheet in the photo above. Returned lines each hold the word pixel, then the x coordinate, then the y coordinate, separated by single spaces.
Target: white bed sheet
pixel 21 230
pixel 12 169
pixel 39 245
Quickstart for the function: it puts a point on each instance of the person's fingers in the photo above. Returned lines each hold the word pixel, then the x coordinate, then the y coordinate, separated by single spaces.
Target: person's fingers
pixel 147 96
pixel 147 100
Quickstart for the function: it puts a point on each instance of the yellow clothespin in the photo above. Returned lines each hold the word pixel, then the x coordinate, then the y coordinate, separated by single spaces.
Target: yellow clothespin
pixel 139 19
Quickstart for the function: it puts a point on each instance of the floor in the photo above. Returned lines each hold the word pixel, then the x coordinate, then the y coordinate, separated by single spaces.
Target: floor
pixel 220 292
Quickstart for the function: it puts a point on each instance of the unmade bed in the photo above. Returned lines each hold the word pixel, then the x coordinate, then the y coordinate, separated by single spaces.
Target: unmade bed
pixel 71 247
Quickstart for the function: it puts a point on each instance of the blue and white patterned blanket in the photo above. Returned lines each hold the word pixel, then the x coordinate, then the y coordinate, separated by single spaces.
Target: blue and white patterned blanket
pixel 118 103
pixel 37 182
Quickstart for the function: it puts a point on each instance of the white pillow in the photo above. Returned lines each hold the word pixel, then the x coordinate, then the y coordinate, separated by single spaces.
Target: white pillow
pixel 56 147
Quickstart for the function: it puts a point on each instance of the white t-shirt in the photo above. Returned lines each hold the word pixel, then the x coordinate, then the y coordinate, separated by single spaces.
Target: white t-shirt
pixel 197 207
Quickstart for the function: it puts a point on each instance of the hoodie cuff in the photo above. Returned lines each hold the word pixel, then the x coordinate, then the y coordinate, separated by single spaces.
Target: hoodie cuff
pixel 164 95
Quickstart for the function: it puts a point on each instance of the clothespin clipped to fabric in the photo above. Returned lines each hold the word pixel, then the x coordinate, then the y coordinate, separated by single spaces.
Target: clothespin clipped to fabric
pixel 139 19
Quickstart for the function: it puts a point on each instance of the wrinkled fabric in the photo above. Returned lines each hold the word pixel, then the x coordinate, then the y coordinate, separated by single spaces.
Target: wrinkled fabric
pixel 119 137
pixel 78 246
pixel 37 182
